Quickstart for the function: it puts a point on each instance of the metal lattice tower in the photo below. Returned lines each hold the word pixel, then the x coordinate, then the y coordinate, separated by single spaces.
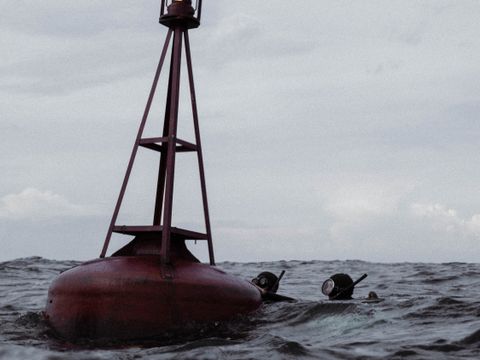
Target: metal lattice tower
pixel 179 16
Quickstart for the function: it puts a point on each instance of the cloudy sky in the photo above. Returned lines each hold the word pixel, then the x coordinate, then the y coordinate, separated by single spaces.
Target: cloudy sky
pixel 331 130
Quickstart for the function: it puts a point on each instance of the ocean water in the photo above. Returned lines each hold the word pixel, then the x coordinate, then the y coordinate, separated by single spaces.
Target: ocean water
pixel 430 311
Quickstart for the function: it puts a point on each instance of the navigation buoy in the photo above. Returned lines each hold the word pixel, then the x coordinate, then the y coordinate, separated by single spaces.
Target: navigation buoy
pixel 153 284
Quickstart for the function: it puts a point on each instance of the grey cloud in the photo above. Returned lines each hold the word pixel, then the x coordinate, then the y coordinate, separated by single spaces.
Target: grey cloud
pixel 64 66
pixel 69 18
pixel 322 123
pixel 33 204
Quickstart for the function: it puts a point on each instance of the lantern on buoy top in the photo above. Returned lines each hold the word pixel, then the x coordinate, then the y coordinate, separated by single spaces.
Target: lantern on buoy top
pixel 181 13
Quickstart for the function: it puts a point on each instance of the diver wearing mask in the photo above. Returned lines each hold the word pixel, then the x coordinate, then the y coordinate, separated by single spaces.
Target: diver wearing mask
pixel 340 286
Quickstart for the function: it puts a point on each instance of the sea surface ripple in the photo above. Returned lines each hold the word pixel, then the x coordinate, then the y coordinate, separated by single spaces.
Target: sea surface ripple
pixel 430 311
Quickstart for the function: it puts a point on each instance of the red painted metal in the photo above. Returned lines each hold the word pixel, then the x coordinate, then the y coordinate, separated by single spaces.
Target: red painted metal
pixel 153 284
pixel 199 148
pixel 157 230
pixel 180 12
pixel 135 146
pixel 178 15
pixel 101 300
pixel 174 95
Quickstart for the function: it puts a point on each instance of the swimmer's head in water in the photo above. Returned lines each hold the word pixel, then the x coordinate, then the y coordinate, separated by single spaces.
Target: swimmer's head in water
pixel 267 281
pixel 338 287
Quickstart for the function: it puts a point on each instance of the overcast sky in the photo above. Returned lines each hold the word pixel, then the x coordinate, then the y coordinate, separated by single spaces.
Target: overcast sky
pixel 331 129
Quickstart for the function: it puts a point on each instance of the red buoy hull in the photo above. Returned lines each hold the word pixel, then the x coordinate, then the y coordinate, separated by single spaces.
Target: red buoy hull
pixel 135 297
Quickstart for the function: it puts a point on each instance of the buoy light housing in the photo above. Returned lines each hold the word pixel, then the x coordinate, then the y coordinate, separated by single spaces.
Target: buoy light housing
pixel 181 13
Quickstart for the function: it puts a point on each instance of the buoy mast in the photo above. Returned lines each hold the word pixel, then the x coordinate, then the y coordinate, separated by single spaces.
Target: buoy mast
pixel 179 16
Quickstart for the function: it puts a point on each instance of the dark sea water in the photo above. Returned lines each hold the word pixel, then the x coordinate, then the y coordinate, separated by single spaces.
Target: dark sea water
pixel 430 311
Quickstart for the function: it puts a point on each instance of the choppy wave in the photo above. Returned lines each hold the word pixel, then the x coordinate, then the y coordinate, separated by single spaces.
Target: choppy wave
pixel 429 311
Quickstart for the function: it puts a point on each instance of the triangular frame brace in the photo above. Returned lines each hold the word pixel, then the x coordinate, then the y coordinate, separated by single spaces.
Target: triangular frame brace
pixel 168 145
